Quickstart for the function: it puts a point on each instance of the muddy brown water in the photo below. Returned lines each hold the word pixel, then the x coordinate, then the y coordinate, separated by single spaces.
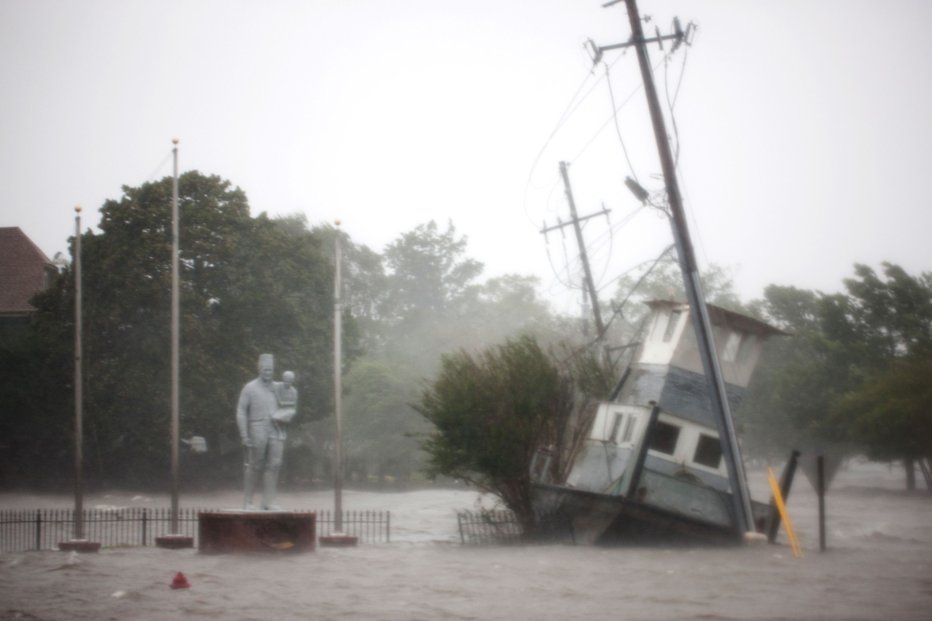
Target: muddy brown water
pixel 878 566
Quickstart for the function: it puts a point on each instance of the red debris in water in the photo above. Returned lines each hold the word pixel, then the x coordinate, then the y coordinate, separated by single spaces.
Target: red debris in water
pixel 180 582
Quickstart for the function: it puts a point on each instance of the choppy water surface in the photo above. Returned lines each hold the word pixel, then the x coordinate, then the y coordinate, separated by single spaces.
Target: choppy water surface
pixel 879 566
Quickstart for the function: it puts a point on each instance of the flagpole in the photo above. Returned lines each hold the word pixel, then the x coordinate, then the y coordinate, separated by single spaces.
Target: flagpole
pixel 78 385
pixel 175 539
pixel 174 337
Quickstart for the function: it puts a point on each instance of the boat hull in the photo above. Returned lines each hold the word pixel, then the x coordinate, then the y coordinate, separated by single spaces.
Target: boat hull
pixel 602 519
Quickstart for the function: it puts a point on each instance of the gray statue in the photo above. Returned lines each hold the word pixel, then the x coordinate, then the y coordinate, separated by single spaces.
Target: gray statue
pixel 260 416
pixel 287 397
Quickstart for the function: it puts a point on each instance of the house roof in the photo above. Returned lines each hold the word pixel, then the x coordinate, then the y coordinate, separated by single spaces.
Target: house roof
pixel 23 269
pixel 723 317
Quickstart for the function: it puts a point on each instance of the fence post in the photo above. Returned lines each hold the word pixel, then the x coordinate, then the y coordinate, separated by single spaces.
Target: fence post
pixel 145 524
pixel 388 527
pixel 38 529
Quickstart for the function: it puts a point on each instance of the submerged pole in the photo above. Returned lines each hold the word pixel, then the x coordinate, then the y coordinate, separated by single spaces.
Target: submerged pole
pixel 641 458
pixel 741 503
pixel 820 488
pixel 786 483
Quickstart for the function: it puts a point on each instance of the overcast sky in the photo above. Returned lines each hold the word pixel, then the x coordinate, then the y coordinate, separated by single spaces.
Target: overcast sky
pixel 804 126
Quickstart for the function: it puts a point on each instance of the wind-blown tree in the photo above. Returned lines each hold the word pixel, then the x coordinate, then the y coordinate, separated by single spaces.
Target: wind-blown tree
pixel 662 280
pixel 797 379
pixel 824 384
pixel 491 412
pixel 248 285
pixel 891 415
pixel 36 400
pixel 365 289
pixel 429 280
pixel 379 423
pixel 885 323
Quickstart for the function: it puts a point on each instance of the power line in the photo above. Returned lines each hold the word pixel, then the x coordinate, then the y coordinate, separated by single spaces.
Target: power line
pixel 568 112
pixel 611 94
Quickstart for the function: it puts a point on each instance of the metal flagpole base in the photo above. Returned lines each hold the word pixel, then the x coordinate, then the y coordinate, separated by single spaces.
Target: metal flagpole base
pixel 79 545
pixel 174 542
pixel 338 540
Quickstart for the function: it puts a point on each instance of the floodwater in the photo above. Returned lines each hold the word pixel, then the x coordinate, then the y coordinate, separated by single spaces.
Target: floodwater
pixel 878 566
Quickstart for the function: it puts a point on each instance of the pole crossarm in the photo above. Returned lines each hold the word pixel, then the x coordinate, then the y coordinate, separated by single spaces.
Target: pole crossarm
pixel 561 225
pixel 679 37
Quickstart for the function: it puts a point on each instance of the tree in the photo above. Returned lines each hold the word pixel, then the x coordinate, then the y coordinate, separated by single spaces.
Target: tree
pixel 787 402
pixel 663 280
pixel 491 413
pixel 885 323
pixel 429 279
pixel 892 414
pixel 365 290
pixel 849 352
pixel 380 424
pixel 428 272
pixel 248 285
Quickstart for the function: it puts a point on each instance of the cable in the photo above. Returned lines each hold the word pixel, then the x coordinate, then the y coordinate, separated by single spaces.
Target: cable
pixel 617 310
pixel 568 112
pixel 610 118
pixel 158 168
pixel 672 103
pixel 611 94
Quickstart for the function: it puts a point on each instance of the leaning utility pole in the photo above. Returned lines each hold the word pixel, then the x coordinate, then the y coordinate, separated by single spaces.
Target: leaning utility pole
pixel 744 520
pixel 583 256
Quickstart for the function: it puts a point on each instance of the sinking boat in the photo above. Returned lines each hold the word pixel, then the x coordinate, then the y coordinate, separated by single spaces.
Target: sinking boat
pixel 648 463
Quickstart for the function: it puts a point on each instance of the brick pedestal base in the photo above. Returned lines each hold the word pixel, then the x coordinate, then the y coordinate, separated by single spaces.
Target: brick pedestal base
pixel 256 531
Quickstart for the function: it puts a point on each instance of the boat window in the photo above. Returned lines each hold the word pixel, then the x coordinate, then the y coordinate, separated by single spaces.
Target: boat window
pixel 663 438
pixel 616 425
pixel 708 451
pixel 671 325
pixel 629 430
pixel 730 354
pixel 744 350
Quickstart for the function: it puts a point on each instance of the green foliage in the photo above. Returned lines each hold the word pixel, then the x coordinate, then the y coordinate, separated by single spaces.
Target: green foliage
pixel 892 414
pixel 248 285
pixel 428 272
pixel 492 412
pixel 380 425
pixel 844 376
pixel 664 281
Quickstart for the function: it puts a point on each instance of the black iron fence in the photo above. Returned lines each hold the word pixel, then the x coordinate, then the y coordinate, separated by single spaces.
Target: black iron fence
pixel 44 529
pixel 368 526
pixel 502 527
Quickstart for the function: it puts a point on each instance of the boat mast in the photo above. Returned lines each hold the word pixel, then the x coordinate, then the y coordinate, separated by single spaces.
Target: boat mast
pixel 699 314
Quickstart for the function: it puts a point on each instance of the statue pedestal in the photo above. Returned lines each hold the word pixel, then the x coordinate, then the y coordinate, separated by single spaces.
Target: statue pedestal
pixel 256 531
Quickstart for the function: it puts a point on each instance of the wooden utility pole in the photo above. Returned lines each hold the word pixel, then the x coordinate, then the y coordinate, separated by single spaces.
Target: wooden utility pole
pixel 744 519
pixel 583 256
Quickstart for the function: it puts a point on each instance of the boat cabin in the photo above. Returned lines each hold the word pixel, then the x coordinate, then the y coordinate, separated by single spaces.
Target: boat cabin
pixel 683 452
